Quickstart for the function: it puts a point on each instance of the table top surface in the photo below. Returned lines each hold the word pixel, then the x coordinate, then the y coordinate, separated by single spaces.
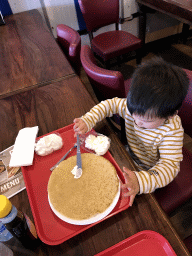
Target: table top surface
pixel 50 107
pixel 145 214
pixel 179 9
pixel 30 56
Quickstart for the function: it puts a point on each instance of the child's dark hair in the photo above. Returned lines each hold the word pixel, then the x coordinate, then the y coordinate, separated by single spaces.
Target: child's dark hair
pixel 157 88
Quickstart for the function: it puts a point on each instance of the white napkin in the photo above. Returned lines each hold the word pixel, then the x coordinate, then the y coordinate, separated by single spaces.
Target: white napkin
pixel 23 151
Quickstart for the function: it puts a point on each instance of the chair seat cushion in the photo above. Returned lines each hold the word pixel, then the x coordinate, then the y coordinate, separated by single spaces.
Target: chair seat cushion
pixel 114 43
pixel 180 189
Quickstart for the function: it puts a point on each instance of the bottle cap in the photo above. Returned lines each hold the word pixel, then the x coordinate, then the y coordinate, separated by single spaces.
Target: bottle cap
pixel 5 206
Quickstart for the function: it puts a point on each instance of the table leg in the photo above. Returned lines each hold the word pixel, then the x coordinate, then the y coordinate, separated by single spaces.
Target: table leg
pixel 142 26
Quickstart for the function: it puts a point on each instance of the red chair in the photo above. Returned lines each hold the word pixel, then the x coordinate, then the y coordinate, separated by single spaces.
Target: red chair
pixel 180 189
pixel 70 42
pixel 106 83
pixel 185 111
pixel 188 243
pixel 110 44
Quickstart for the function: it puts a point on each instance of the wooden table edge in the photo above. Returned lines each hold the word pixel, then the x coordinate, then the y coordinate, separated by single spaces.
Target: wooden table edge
pixel 35 86
pixel 165 12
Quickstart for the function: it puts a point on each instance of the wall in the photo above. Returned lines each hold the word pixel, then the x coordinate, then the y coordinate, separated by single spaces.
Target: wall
pixel 53 11
pixel 23 5
pixel 61 11
pixel 65 11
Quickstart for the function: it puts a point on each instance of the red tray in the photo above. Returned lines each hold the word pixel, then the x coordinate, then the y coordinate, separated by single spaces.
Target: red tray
pixel 145 243
pixel 51 230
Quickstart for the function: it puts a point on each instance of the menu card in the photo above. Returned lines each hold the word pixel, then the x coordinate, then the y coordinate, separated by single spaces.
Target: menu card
pixel 11 178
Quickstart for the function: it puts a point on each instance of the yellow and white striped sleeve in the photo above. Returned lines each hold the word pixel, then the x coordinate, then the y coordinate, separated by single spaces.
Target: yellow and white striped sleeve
pixel 167 167
pixel 104 109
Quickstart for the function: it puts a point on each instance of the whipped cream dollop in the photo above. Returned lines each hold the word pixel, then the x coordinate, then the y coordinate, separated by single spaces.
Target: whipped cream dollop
pixel 77 172
pixel 100 144
pixel 47 144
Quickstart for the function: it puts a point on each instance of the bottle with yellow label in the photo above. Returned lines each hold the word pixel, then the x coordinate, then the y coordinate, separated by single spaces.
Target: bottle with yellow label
pixel 17 223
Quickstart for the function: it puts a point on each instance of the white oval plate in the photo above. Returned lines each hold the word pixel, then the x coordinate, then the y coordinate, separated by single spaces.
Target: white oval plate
pixel 92 219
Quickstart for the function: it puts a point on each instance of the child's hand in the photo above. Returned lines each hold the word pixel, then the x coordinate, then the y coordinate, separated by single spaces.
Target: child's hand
pixel 131 183
pixel 80 126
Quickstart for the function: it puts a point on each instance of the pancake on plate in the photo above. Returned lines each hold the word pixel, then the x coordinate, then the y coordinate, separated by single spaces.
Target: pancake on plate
pixel 92 194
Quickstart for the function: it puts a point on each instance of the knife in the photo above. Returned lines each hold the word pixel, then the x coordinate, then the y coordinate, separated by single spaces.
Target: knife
pixel 79 163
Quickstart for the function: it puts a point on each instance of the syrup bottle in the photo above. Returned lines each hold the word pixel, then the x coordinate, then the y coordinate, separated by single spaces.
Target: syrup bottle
pixel 17 223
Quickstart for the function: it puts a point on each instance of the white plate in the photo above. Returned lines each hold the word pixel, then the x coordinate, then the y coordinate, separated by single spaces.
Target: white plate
pixel 90 220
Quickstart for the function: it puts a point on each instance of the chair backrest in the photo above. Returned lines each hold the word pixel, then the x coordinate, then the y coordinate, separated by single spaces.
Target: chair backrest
pixel 185 112
pixel 106 83
pixel 70 42
pixel 99 13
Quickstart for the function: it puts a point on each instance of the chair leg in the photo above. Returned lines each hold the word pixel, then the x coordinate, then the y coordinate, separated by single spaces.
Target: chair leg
pixel 123 133
pixel 119 61
pixel 107 64
pixel 112 125
pixel 185 33
pixel 138 56
pixel 120 132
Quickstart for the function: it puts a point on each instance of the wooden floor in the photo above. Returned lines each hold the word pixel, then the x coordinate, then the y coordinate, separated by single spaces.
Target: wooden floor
pixel 174 51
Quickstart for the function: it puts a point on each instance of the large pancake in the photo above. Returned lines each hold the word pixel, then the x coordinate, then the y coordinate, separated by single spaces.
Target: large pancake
pixel 83 198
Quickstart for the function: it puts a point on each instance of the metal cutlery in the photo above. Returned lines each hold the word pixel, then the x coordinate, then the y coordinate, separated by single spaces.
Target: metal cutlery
pixel 63 158
pixel 79 162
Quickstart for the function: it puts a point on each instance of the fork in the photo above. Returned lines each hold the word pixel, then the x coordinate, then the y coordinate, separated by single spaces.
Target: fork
pixel 63 158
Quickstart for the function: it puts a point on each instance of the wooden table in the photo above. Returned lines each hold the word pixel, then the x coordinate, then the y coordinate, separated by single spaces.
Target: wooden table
pixel 50 107
pixel 53 106
pixel 29 54
pixel 30 59
pixel 178 9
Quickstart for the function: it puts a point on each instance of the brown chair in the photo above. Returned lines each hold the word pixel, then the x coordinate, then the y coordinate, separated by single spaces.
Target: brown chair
pixel 180 189
pixel 109 44
pixel 106 83
pixel 70 42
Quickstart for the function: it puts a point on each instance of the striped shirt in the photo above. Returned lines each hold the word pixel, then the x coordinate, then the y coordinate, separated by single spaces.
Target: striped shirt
pixel 156 152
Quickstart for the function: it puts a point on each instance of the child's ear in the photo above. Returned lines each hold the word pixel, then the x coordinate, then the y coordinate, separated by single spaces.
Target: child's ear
pixel 176 112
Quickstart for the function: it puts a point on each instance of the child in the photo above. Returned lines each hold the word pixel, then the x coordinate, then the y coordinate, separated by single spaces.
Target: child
pixel 153 128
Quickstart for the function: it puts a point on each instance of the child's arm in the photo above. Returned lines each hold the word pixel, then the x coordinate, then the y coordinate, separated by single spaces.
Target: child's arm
pixel 80 126
pixel 131 185
pixel 104 109
pixel 168 165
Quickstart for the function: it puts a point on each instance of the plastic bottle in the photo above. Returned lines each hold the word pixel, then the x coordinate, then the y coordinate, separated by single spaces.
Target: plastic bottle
pixel 5 235
pixel 17 223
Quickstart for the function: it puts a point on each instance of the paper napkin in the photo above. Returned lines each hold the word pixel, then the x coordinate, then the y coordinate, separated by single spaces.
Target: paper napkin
pixel 23 150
